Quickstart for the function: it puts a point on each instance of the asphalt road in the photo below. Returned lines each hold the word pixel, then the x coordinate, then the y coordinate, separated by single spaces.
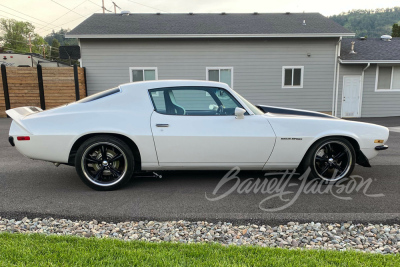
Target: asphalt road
pixel 38 189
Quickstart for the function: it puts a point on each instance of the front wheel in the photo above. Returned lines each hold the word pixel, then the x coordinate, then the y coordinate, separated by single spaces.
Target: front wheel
pixel 330 159
pixel 104 162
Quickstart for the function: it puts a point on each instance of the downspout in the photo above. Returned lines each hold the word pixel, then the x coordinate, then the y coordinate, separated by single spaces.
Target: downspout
pixel 337 77
pixel 334 78
pixel 362 86
pixel 80 48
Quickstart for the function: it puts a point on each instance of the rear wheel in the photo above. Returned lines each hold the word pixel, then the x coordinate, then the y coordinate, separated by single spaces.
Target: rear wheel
pixel 330 159
pixel 104 162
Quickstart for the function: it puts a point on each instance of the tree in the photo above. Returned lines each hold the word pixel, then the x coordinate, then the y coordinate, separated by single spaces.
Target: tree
pixel 373 23
pixel 60 36
pixel 395 30
pixel 54 49
pixel 37 44
pixel 16 34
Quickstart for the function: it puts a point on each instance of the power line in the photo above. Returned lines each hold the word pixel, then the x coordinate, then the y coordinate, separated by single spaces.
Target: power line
pixel 115 5
pixel 79 18
pixel 16 40
pixel 14 50
pixel 95 3
pixel 46 26
pixel 147 6
pixel 98 5
pixel 22 13
pixel 73 20
pixel 70 10
pixel 36 23
pixel 39 45
pixel 23 18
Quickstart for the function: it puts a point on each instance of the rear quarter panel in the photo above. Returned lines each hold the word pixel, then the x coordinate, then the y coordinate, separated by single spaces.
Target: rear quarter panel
pixel 55 131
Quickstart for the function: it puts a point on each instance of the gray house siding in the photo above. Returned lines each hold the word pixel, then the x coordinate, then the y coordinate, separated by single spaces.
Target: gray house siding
pixel 374 104
pixel 257 65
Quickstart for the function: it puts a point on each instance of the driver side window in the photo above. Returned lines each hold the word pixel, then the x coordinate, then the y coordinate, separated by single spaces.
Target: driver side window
pixel 194 101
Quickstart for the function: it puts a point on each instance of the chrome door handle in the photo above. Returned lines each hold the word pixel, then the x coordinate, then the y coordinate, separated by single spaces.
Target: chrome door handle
pixel 162 125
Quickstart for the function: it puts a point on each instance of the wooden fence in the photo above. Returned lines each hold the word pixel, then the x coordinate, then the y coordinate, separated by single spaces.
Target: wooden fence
pixel 40 87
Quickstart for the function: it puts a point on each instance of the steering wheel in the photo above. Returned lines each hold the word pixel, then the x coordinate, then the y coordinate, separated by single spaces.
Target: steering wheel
pixel 220 110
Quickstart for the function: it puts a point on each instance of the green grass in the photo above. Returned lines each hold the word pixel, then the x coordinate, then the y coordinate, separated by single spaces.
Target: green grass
pixel 41 250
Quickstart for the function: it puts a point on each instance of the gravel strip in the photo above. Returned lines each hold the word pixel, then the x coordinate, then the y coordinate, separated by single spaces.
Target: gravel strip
pixel 384 239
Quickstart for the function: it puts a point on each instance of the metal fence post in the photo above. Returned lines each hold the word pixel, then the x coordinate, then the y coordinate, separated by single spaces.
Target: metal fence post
pixel 84 76
pixel 41 87
pixel 76 78
pixel 5 86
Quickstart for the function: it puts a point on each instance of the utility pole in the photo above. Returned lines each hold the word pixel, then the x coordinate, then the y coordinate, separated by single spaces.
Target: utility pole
pixel 44 51
pixel 104 9
pixel 30 44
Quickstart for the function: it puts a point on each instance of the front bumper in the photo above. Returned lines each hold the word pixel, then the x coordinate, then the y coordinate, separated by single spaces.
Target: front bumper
pixel 384 147
pixel 11 140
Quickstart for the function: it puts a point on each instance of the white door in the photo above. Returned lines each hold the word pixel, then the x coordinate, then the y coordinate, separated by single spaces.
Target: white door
pixel 197 133
pixel 351 97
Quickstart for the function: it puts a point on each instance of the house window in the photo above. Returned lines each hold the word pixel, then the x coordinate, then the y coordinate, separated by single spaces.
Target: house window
pixel 220 74
pixel 292 77
pixel 143 74
pixel 388 78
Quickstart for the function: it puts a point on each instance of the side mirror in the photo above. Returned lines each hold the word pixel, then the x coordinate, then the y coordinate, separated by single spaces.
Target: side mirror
pixel 239 113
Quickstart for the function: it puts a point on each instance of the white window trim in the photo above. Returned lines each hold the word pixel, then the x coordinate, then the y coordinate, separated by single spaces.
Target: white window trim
pixel 391 81
pixel 142 68
pixel 301 78
pixel 219 73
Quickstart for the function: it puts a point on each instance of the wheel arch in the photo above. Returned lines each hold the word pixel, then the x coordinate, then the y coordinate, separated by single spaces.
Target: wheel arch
pixel 360 158
pixel 127 140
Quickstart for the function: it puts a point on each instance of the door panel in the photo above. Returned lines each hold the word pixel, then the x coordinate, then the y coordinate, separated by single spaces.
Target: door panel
pixel 212 141
pixel 351 96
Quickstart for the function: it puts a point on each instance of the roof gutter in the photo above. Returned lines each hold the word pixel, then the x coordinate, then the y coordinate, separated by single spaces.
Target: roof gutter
pixel 282 35
pixel 334 76
pixel 368 61
pixel 337 78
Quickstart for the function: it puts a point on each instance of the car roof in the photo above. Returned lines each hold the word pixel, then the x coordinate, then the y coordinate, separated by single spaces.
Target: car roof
pixel 146 85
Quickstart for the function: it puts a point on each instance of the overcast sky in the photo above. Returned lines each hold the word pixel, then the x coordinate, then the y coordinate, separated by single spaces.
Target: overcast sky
pixel 54 14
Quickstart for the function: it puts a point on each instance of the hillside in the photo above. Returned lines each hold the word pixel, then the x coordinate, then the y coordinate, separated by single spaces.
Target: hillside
pixel 370 23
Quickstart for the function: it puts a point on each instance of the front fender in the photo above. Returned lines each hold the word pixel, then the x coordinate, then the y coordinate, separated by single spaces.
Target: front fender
pixel 296 134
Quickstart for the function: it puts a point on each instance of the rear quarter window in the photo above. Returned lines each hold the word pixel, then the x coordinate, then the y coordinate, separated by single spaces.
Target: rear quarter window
pixel 100 95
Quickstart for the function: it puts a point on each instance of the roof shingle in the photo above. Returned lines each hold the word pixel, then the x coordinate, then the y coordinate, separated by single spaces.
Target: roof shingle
pixel 208 24
pixel 370 49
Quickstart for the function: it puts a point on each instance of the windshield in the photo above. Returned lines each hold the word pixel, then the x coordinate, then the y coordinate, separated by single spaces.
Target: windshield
pixel 253 108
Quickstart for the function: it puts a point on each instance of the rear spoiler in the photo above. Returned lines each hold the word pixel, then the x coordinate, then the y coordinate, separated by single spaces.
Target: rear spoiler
pixel 292 111
pixel 18 114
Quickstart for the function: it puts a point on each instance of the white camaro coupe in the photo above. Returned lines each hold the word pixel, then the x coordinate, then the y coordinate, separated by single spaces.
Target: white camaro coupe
pixel 188 125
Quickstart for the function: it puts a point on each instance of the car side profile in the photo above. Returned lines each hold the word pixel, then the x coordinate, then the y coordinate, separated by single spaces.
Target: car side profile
pixel 188 125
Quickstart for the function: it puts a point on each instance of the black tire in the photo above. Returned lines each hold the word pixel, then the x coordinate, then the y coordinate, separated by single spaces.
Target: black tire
pixel 104 174
pixel 330 159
